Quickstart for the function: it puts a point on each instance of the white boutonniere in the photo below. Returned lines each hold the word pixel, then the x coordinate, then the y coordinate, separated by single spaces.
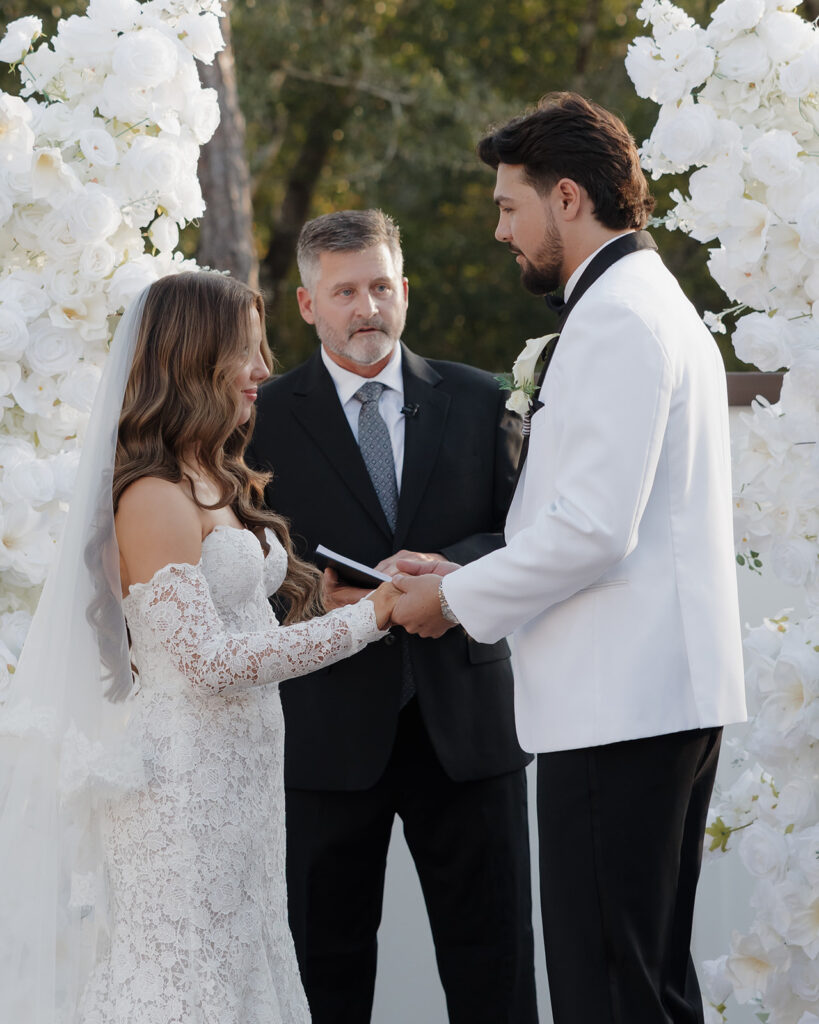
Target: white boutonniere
pixel 521 381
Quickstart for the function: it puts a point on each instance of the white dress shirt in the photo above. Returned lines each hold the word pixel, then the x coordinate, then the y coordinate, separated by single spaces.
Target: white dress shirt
pixel 390 403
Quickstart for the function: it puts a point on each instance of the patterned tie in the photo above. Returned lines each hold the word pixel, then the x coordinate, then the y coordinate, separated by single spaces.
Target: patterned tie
pixel 376 449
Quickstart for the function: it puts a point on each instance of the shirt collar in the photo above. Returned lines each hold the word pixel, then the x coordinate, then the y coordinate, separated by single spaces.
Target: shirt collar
pixel 567 291
pixel 347 382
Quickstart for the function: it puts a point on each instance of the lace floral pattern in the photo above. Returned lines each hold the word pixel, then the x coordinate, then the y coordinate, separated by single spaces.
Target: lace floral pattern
pixel 196 857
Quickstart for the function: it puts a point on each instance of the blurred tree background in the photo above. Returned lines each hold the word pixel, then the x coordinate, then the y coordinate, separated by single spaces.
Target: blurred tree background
pixel 358 103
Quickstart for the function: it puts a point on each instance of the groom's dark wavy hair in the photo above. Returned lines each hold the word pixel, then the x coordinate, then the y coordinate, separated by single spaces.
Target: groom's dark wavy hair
pixel 567 136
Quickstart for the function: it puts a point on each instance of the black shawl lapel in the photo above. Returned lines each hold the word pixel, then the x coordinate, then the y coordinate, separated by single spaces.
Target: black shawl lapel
pixel 424 432
pixel 318 410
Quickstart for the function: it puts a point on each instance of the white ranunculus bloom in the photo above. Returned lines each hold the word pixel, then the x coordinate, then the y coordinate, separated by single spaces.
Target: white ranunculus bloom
pixel 98 147
pixel 763 341
pixel 201 34
pixel 775 158
pixel 807 224
pixel 18 38
pixel 745 59
pixel 144 58
pixel 79 386
pixel 93 214
pixel 52 350
pixel 732 18
pixel 13 332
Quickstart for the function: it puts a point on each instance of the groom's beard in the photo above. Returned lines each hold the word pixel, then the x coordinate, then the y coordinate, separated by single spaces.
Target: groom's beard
pixel 542 274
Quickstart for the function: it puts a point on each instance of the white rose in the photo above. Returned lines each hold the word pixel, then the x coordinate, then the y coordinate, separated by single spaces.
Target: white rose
pixel 763 341
pixel 57 425
pixel 79 386
pixel 807 224
pixel 518 402
pixel 64 467
pixel 57 238
pixel 98 147
pixel 122 101
pixel 94 215
pixel 745 59
pixel 802 378
pixel 85 39
pixel 687 135
pixel 764 851
pixel 25 290
pixel 798 78
pixel 201 34
pixel 715 980
pixel 129 280
pixel 797 803
pixel 711 186
pixel 116 14
pixel 785 34
pixel 144 58
pixel 794 561
pixel 96 261
pixel 646 70
pixel 202 114
pixel 164 234
pixel 153 167
pixel 61 122
pixel 733 17
pixel 6 208
pixel 39 69
pixel 51 349
pixel 35 393
pixel 13 332
pixel 13 629
pixel 750 965
pixel 18 38
pixel 10 374
pixel 775 158
pixel 32 482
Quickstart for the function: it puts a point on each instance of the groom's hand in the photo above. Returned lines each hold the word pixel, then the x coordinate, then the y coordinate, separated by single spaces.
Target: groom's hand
pixel 419 610
pixel 432 563
pixel 390 565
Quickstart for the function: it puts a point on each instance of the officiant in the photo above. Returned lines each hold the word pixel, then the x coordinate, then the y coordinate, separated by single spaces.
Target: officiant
pixel 376 451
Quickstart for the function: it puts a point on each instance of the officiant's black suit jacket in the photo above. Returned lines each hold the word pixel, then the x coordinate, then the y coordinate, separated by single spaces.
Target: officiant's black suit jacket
pixel 460 454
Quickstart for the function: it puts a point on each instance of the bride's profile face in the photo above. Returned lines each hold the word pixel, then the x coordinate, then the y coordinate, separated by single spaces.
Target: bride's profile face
pixel 252 369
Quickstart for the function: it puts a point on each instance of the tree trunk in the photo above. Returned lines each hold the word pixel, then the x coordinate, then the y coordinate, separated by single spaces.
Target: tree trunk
pixel 226 229
pixel 301 185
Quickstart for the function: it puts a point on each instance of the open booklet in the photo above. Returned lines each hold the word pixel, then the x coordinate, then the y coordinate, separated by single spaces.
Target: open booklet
pixel 355 573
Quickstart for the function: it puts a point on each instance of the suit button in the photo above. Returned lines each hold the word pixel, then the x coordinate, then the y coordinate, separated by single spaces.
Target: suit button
pixel 389 639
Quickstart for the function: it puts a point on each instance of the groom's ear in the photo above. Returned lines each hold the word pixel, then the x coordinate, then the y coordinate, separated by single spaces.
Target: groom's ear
pixel 305 301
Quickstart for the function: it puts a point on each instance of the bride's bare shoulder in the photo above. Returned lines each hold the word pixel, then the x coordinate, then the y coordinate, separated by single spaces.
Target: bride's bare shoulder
pixel 156 524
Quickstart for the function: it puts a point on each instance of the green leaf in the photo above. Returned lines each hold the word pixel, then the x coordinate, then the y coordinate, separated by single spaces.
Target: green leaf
pixel 740 559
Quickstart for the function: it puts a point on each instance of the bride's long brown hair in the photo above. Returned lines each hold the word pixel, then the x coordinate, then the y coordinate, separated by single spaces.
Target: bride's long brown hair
pixel 181 399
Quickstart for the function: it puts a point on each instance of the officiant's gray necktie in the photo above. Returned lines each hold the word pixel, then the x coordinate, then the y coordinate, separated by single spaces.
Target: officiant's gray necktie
pixel 376 450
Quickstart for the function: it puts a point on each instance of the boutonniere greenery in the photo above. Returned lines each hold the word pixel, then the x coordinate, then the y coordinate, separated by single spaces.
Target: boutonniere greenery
pixel 521 381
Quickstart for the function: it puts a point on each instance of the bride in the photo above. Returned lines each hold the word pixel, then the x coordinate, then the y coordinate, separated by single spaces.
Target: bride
pixel 147 880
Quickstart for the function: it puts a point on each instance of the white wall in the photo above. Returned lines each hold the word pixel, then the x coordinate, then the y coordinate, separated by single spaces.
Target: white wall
pixel 407 987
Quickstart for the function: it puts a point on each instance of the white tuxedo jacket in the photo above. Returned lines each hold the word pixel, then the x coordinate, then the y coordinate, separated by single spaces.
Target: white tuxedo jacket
pixel 618 581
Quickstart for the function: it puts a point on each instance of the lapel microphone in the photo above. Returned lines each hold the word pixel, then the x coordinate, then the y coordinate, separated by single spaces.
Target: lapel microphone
pixel 411 409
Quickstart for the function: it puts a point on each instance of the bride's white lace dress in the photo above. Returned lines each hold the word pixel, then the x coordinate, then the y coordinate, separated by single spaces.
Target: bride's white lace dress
pixel 196 858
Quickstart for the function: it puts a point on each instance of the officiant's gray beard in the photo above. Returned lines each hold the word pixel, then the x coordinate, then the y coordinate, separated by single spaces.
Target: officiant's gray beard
pixel 361 349
pixel 542 275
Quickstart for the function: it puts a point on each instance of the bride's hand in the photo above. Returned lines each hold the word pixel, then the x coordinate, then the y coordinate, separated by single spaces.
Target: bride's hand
pixel 384 599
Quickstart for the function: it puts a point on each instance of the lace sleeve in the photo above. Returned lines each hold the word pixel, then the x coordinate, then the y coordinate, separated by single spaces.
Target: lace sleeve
pixel 177 605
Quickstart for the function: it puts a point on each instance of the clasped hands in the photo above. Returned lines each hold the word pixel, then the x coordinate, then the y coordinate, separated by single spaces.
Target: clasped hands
pixel 409 600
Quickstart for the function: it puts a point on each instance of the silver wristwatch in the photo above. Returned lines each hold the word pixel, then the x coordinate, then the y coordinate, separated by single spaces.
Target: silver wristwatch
pixel 446 611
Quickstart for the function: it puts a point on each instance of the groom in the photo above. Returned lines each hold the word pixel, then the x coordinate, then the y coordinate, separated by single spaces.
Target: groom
pixel 618 577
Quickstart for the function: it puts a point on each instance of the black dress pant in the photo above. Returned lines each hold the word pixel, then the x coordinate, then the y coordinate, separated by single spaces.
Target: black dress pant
pixel 621 832
pixel 470 844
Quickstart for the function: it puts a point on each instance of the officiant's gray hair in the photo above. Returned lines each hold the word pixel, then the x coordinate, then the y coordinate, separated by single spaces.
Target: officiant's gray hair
pixel 345 231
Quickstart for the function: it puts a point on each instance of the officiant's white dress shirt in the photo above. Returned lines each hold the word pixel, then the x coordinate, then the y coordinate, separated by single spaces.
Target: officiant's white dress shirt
pixel 390 403
pixel 618 579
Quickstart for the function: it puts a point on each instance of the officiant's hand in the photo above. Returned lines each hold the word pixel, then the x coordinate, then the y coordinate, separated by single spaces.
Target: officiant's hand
pixel 337 594
pixel 390 565
pixel 419 608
